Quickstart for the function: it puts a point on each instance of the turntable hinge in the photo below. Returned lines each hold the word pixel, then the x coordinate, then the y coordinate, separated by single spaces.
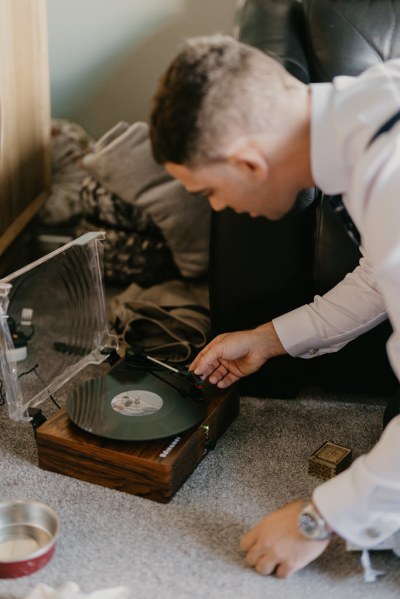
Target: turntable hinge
pixel 112 355
pixel 37 417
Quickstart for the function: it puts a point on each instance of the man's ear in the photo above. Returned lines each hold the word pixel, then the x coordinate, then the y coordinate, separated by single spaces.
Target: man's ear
pixel 250 159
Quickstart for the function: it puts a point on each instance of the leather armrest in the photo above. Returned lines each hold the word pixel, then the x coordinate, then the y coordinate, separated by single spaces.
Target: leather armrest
pixel 259 268
pixel 277 28
pixel 346 37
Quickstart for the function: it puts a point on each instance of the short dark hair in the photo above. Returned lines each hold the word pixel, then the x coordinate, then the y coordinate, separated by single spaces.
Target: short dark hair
pixel 215 90
pixel 173 118
pixel 174 129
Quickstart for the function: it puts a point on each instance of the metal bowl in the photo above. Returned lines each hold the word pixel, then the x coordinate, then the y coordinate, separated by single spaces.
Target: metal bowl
pixel 28 532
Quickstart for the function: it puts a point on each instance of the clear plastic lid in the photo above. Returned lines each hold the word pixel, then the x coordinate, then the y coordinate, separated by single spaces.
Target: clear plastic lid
pixel 52 323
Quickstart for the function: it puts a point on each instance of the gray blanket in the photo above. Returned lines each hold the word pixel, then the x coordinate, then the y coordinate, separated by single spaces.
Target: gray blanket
pixel 122 161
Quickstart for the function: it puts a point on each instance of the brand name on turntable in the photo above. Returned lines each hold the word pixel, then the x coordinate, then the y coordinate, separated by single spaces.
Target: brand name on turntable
pixel 170 447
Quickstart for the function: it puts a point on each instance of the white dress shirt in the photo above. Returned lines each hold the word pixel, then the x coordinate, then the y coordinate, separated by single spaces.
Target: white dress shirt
pixel 363 503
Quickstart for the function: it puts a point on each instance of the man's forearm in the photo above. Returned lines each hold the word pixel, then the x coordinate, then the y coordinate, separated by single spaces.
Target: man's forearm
pixel 268 331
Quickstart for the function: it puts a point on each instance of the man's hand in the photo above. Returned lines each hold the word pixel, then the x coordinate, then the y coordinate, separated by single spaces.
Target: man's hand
pixel 234 355
pixel 275 545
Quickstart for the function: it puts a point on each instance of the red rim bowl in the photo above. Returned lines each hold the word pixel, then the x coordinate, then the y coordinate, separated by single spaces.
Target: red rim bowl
pixel 28 533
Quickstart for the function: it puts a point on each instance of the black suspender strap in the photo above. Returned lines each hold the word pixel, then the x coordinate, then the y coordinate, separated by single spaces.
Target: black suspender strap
pixel 336 201
pixel 385 127
pixel 337 204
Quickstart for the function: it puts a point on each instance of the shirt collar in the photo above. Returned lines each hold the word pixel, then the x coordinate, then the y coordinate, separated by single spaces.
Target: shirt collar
pixel 326 162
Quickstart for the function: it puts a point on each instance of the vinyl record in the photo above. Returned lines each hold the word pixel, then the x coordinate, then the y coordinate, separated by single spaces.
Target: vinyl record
pixel 133 405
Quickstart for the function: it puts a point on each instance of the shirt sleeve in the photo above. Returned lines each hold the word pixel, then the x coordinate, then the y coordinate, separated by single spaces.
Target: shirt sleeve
pixel 362 504
pixel 380 206
pixel 352 307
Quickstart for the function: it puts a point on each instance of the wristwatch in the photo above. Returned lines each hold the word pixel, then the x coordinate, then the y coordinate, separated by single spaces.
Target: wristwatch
pixel 311 524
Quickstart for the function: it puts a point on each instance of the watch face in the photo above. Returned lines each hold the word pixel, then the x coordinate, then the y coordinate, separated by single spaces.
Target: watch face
pixel 308 525
pixel 312 525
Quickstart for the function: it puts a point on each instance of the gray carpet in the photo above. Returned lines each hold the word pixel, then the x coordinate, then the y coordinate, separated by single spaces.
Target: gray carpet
pixel 190 547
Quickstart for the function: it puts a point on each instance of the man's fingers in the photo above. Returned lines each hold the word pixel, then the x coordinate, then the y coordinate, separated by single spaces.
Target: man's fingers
pixel 205 362
pixel 248 540
pixel 275 546
pixel 228 380
pixel 262 559
pixel 266 564
pixel 218 374
pixel 198 359
pixel 205 368
pixel 285 570
pixel 197 364
pixel 222 377
pixel 253 555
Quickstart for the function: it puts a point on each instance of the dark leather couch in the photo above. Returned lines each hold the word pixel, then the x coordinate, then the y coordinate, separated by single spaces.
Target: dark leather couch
pixel 261 269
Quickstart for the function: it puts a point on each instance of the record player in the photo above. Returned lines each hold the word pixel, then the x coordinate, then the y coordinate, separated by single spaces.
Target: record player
pixel 133 423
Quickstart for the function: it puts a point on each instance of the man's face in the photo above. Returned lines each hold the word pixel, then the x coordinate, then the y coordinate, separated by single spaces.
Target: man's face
pixel 237 186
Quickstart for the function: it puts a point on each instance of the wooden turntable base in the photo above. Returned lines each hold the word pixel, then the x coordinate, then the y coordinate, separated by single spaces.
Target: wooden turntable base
pixel 152 469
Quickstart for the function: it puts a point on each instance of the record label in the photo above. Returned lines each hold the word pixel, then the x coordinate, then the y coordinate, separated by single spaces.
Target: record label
pixel 136 402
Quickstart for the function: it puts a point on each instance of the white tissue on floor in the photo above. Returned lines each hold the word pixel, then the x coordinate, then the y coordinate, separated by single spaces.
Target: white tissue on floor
pixel 71 590
pixel 370 574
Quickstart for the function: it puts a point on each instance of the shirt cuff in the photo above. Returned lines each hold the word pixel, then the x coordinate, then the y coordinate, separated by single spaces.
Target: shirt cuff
pixel 339 506
pixel 298 334
pixel 362 503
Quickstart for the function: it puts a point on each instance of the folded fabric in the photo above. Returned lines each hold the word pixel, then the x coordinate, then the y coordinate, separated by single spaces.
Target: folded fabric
pixel 69 144
pixel 169 321
pixel 104 207
pixel 140 256
pixel 122 161
pixel 134 248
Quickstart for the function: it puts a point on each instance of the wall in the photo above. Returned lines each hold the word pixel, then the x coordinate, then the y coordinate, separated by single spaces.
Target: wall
pixel 107 55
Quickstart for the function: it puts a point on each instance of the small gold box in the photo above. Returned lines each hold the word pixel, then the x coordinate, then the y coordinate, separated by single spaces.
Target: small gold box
pixel 328 460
